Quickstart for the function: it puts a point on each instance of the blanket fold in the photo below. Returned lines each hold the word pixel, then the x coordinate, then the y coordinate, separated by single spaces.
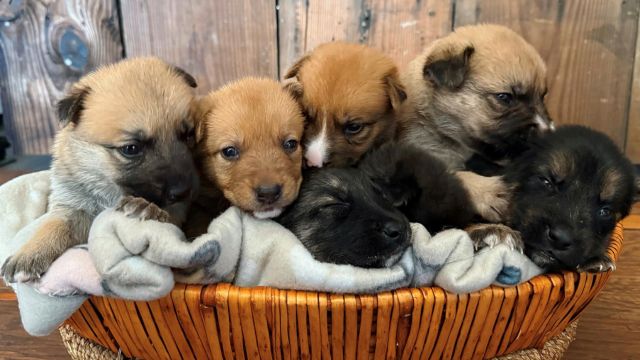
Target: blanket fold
pixel 142 260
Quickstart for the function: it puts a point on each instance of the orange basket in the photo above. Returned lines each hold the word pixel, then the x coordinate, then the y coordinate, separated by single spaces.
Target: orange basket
pixel 225 321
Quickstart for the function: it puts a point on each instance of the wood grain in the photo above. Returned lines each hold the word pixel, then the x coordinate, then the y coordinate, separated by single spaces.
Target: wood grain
pixel 400 28
pixel 589 47
pixel 16 344
pixel 44 47
pixel 215 41
pixel 632 147
pixel 610 326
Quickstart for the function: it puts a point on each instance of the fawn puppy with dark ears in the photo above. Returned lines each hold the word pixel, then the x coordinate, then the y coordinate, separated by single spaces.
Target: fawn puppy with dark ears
pixel 127 133
pixel 249 135
pixel 476 96
pixel 350 94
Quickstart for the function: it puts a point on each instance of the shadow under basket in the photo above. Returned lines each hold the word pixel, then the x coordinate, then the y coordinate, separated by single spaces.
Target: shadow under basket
pixel 534 320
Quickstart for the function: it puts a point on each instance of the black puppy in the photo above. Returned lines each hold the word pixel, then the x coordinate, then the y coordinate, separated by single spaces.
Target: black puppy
pixel 342 218
pixel 569 190
pixel 360 216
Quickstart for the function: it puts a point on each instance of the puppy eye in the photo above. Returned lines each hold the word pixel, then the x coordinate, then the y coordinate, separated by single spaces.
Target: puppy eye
pixel 339 209
pixel 290 145
pixel 604 212
pixel 230 153
pixel 190 135
pixel 352 128
pixel 130 150
pixel 505 98
pixel 546 182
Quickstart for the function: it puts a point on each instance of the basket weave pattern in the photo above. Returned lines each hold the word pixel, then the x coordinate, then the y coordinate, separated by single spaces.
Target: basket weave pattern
pixel 224 321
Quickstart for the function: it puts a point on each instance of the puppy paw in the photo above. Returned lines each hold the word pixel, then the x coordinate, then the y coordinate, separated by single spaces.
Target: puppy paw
pixel 489 195
pixel 26 266
pixel 495 234
pixel 597 265
pixel 137 207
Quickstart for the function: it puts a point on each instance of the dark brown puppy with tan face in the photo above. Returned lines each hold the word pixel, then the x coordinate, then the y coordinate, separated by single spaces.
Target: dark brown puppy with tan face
pixel 248 145
pixel 349 93
pixel 476 93
pixel 127 132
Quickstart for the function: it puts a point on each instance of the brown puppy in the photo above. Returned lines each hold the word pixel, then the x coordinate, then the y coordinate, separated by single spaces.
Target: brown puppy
pixel 127 131
pixel 476 93
pixel 349 94
pixel 248 135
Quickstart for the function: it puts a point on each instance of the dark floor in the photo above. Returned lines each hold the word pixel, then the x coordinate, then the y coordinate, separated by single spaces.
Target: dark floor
pixel 609 327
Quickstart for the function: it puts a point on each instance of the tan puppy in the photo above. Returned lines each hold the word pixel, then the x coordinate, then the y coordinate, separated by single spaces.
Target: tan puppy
pixel 248 144
pixel 476 95
pixel 349 94
pixel 127 131
pixel 479 90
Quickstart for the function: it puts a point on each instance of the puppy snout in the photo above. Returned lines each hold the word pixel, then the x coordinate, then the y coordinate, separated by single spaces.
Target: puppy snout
pixel 268 194
pixel 561 238
pixel 392 231
pixel 179 192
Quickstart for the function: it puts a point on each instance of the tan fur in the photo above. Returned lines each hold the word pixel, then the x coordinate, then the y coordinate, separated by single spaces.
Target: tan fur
pixel 489 194
pixel 340 82
pixel 449 119
pixel 447 122
pixel 561 165
pixel 257 116
pixel 140 95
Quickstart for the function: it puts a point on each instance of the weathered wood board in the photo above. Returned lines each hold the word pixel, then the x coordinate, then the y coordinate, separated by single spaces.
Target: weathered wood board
pixel 401 28
pixel 589 47
pixel 215 41
pixel 44 47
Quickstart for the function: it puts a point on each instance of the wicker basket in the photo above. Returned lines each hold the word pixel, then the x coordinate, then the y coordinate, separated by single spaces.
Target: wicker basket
pixel 224 321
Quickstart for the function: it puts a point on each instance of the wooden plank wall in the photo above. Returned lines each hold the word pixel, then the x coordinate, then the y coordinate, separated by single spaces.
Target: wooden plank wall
pixel 590 47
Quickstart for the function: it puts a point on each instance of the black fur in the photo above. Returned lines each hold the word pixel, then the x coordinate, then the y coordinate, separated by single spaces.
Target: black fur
pixel 340 216
pixel 190 80
pixel 559 215
pixel 340 213
pixel 70 108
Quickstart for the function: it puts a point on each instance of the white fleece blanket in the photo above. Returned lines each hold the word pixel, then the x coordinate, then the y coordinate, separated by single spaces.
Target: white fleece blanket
pixel 141 260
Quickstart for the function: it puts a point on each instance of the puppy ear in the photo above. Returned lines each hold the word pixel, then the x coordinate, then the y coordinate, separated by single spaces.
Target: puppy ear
pixel 294 88
pixel 295 68
pixel 190 80
pixel 202 109
pixel 395 89
pixel 71 106
pixel 447 66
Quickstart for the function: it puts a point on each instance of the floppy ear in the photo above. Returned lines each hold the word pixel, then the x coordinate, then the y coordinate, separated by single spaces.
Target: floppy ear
pixel 71 106
pixel 294 88
pixel 190 80
pixel 202 109
pixel 448 65
pixel 295 68
pixel 395 89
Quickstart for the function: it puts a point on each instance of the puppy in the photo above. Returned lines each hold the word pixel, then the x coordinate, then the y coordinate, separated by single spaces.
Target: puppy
pixel 479 90
pixel 476 94
pixel 127 130
pixel 570 189
pixel 360 216
pixel 341 217
pixel 248 145
pixel 349 94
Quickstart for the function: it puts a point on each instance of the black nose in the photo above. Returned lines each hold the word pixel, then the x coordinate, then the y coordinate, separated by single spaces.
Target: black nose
pixel 268 194
pixel 561 238
pixel 179 192
pixel 392 231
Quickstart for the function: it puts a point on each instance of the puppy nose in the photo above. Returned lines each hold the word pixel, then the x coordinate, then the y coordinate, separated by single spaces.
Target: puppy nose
pixel 392 231
pixel 268 194
pixel 561 238
pixel 179 192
